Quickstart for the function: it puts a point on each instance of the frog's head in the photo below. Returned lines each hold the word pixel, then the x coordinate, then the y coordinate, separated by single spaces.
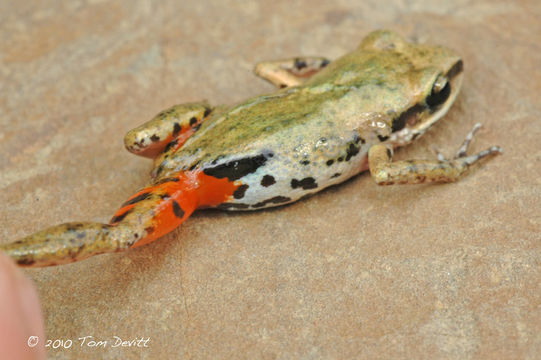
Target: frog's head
pixel 434 75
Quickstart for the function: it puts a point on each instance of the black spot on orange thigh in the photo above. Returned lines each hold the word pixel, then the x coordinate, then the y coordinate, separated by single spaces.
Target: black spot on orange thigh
pixel 193 120
pixel 155 137
pixel 177 210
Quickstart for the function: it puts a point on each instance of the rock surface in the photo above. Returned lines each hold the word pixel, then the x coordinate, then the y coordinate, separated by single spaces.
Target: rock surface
pixel 358 271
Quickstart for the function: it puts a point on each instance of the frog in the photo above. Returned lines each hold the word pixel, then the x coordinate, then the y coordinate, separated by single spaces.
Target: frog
pixel 326 122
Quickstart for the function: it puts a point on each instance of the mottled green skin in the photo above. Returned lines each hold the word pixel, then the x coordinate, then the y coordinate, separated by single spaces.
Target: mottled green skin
pixel 306 126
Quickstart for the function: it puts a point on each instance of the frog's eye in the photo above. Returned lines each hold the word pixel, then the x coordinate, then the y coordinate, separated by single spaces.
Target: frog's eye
pixel 440 92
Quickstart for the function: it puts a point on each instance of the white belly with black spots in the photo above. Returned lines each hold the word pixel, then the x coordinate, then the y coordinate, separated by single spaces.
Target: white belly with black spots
pixel 280 179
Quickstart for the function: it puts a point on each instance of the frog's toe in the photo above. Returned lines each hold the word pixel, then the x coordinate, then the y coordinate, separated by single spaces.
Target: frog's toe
pixel 462 151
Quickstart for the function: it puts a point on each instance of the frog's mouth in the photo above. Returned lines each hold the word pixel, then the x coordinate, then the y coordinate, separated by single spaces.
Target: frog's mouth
pixel 417 119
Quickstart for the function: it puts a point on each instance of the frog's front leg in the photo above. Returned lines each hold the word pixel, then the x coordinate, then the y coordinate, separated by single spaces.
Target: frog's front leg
pixel 176 123
pixel 290 72
pixel 386 172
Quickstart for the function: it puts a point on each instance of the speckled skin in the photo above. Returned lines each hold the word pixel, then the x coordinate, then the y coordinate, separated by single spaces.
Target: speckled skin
pixel 330 121
pixel 320 130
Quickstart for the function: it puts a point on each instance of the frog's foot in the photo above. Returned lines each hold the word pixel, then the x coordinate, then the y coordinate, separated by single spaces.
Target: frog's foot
pixel 171 127
pixel 144 217
pixel 386 172
pixel 290 72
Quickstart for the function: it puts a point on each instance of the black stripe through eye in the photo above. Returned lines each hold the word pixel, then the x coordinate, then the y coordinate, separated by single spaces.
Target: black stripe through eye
pixel 438 97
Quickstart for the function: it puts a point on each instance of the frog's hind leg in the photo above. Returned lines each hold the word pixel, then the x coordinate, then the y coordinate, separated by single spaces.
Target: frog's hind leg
pixel 290 72
pixel 386 172
pixel 177 124
pixel 144 217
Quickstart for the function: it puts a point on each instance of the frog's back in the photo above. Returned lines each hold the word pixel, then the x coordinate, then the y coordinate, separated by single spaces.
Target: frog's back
pixel 280 147
pixel 292 143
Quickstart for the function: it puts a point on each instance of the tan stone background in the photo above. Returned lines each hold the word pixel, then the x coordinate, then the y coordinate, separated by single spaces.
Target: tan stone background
pixel 358 271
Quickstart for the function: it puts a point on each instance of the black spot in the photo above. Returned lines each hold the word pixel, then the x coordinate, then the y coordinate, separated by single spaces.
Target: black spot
pixel 217 159
pixel 136 199
pixel 357 139
pixel 207 112
pixel 149 230
pixel 340 159
pixel 193 120
pixel 229 206
pixel 119 218
pixel 352 151
pixel 73 226
pixel 300 64
pixel 306 183
pixel 325 62
pixel 155 137
pixel 26 262
pixel 268 180
pixel 176 129
pixel 171 145
pixel 335 175
pixel 382 138
pixel 389 153
pixel 166 180
pixel 274 200
pixel 241 190
pixel 178 210
pixel 281 86
pixel 437 98
pixel 236 169
pixel 305 162
pixel 400 122
pixel 330 162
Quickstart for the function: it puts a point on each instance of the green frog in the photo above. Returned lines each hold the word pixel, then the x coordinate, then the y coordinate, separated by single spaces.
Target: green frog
pixel 328 121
